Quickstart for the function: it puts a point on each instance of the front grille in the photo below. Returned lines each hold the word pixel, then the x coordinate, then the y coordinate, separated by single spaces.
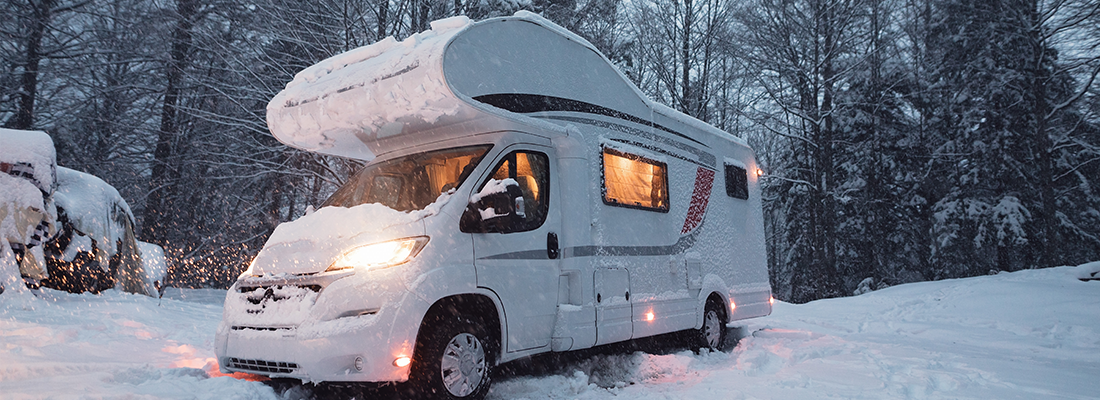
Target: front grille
pixel 275 293
pixel 249 289
pixel 277 367
pixel 261 328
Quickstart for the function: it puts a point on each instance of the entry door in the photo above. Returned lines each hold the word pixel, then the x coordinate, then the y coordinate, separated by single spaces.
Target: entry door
pixel 613 308
pixel 514 260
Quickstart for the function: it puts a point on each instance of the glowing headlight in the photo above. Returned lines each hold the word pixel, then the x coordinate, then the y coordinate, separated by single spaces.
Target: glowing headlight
pixel 380 255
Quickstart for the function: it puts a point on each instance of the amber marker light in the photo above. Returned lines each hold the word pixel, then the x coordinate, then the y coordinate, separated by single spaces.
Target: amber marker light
pixel 649 316
pixel 733 306
pixel 402 361
pixel 771 300
pixel 759 172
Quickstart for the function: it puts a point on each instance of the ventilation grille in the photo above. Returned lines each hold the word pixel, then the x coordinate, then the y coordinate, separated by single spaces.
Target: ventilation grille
pixel 276 367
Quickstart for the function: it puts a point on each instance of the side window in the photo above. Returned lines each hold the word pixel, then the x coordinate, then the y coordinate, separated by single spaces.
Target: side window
pixel 506 209
pixel 737 182
pixel 633 181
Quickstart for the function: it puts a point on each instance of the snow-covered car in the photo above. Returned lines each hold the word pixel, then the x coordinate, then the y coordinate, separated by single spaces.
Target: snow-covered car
pixel 521 197
pixel 94 248
pixel 68 230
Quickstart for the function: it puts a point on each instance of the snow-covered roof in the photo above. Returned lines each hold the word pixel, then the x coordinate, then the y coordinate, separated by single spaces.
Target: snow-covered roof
pixel 380 97
pixel 342 103
pixel 30 147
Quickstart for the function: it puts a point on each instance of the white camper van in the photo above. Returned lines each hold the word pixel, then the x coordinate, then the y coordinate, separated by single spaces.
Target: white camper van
pixel 522 197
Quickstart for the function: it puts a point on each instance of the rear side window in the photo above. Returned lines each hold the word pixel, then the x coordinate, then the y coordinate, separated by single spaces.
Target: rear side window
pixel 737 182
pixel 633 181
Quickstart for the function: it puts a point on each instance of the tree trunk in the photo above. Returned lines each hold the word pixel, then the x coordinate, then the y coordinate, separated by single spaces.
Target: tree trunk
pixel 158 204
pixel 1044 146
pixel 40 20
pixel 685 59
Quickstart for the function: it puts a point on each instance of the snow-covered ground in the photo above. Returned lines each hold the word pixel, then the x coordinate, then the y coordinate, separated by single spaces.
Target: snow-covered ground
pixel 1024 335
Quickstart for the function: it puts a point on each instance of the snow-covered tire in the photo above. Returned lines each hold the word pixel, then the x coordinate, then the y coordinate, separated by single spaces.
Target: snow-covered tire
pixel 713 332
pixel 455 360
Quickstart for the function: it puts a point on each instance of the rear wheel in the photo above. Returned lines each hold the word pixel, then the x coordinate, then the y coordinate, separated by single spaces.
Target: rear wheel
pixel 455 361
pixel 713 332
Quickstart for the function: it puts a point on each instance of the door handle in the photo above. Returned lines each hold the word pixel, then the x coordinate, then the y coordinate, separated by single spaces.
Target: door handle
pixel 552 250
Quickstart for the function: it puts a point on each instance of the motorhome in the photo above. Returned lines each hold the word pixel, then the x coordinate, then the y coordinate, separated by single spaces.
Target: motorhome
pixel 522 196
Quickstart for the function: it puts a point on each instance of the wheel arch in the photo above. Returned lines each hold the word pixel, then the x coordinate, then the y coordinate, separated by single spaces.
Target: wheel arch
pixel 716 290
pixel 482 306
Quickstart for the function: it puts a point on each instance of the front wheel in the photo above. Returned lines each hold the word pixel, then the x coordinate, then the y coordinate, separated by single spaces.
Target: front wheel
pixel 455 361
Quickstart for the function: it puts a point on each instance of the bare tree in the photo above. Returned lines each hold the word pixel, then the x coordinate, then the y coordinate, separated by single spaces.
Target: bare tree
pixel 677 43
pixel 37 34
pixel 801 51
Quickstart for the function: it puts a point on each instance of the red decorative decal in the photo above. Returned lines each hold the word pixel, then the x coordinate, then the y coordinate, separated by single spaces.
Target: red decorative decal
pixel 704 180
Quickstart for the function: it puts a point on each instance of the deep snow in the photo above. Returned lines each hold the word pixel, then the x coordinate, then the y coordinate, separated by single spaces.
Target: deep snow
pixel 1023 335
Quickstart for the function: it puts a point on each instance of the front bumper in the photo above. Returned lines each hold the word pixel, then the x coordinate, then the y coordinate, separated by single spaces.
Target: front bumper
pixel 315 330
pixel 325 351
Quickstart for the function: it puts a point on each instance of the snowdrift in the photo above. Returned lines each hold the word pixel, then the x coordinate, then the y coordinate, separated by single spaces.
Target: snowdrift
pixel 1023 335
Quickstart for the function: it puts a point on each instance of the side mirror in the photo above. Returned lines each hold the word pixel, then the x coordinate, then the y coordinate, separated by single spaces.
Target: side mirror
pixel 498 207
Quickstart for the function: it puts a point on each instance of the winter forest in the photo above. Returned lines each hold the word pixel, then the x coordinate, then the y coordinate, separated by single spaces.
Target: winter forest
pixel 902 140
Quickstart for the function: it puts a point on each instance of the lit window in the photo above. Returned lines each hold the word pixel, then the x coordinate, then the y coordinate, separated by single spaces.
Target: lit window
pixel 634 181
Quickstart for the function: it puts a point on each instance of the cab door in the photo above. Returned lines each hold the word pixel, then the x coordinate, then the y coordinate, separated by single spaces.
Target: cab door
pixel 516 251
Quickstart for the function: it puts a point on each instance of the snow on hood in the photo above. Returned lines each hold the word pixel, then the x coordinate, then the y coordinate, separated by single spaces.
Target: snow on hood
pixel 32 147
pixel 344 102
pixel 94 207
pixel 313 242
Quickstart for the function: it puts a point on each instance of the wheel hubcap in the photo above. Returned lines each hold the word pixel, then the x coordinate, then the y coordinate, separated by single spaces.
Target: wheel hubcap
pixel 712 326
pixel 463 365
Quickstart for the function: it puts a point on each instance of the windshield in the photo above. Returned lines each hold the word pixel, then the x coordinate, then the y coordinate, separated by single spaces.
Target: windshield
pixel 411 182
